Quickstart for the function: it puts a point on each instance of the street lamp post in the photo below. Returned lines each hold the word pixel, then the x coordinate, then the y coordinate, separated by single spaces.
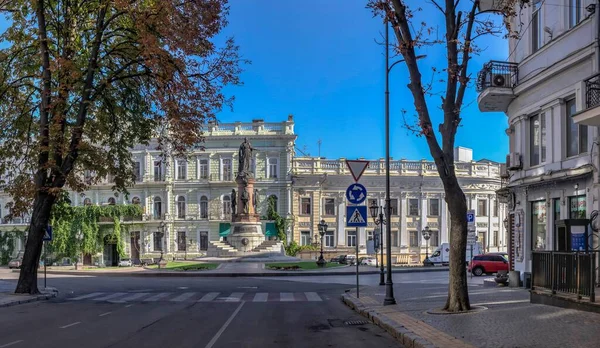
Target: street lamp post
pixel 426 234
pixel 161 231
pixel 322 228
pixel 376 211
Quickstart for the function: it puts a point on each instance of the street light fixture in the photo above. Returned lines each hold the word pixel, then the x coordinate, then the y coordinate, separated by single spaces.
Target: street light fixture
pixel 426 235
pixel 377 211
pixel 322 229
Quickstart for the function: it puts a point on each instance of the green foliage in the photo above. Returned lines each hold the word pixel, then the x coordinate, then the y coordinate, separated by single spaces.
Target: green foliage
pixel 7 244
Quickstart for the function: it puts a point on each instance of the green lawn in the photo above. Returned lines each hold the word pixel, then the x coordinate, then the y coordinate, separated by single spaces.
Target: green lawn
pixel 286 266
pixel 187 266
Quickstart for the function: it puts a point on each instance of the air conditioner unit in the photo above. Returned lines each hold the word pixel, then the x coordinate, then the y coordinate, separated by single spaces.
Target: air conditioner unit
pixel 514 161
pixel 499 80
pixel 503 170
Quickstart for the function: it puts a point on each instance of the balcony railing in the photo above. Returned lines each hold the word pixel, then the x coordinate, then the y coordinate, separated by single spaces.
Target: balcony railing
pixel 592 91
pixel 565 273
pixel 498 74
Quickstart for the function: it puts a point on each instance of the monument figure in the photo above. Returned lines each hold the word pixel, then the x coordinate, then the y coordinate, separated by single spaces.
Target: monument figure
pixel 245 154
pixel 245 197
pixel 255 200
pixel 233 201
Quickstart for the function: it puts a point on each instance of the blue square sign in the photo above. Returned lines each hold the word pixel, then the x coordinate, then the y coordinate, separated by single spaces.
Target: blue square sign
pixel 356 216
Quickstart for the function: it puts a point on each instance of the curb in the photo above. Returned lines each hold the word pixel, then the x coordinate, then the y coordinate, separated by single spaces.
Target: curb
pixel 31 299
pixel 399 332
pixel 236 274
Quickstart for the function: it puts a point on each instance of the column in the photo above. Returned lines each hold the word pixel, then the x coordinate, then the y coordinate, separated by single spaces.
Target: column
pixel 444 236
pixel 96 197
pixel 289 200
pixel 403 213
pixel 341 223
pixel 148 166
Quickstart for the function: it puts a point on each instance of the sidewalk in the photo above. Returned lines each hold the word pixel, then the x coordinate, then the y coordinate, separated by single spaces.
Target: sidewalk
pixel 506 320
pixel 9 298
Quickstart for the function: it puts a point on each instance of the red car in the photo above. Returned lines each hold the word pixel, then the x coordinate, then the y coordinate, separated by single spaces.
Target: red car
pixel 488 263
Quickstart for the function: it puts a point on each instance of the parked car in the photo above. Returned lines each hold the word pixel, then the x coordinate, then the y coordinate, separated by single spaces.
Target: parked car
pixel 368 261
pixel 15 263
pixel 488 263
pixel 125 263
pixel 348 259
pixel 335 259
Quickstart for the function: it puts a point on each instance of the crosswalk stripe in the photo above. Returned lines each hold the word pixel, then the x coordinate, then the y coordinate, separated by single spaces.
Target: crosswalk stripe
pixel 110 297
pixel 135 296
pixel 261 297
pixel 157 297
pixel 287 297
pixel 312 296
pixel 183 297
pixel 93 294
pixel 209 297
pixel 235 297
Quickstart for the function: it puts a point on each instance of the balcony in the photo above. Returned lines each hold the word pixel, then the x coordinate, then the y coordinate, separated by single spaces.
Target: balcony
pixel 590 116
pixel 495 84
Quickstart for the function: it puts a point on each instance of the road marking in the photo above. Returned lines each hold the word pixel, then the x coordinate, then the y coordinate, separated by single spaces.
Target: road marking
pixel 129 305
pixel 94 294
pixel 261 297
pixel 110 297
pixel 222 329
pixel 134 296
pixel 235 297
pixel 287 297
pixel 209 297
pixel 103 314
pixel 72 324
pixel 312 296
pixel 157 297
pixel 11 343
pixel 500 302
pixel 183 297
pixel 247 287
pixel 183 288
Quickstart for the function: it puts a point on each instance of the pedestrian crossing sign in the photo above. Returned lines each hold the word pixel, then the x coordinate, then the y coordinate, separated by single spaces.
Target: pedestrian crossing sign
pixel 356 216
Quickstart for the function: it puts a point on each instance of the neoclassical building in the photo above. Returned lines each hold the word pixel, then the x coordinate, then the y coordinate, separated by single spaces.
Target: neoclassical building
pixel 417 200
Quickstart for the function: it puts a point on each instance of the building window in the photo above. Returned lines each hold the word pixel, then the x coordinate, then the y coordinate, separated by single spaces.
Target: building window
pixel 537 139
pixel 577 207
pixel 329 206
pixel 204 168
pixel 556 205
pixel 413 207
pixel 158 241
pixel 394 235
pixel 495 212
pixel 481 239
pixel 434 207
pixel 87 201
pixel 538 225
pixel 434 238
pixel 273 203
pixel 253 165
pixel 181 207
pixel 305 206
pixel 157 208
pixel 203 241
pixel 414 238
pixel 305 238
pixel 137 171
pixel 181 169
pixel 226 170
pixel 495 238
pixel 537 31
pixel 181 241
pixel 87 175
pixel 393 207
pixel 158 171
pixel 226 205
pixel 481 207
pixel 329 239
pixel 574 12
pixel 203 207
pixel 111 201
pixel 273 167
pixel 136 201
pixel 351 238
pixel 576 134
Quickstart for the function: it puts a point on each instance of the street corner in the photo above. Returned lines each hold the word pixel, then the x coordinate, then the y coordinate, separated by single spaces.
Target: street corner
pixel 11 299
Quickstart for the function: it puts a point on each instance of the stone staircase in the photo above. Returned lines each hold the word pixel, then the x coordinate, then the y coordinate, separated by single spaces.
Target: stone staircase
pixel 224 249
pixel 269 246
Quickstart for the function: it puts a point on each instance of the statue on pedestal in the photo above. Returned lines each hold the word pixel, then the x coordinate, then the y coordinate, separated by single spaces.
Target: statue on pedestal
pixel 255 200
pixel 233 201
pixel 245 154
pixel 245 197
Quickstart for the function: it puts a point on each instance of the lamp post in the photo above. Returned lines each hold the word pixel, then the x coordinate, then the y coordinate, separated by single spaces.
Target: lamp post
pixel 322 228
pixel 378 218
pixel 161 231
pixel 426 235
pixel 389 289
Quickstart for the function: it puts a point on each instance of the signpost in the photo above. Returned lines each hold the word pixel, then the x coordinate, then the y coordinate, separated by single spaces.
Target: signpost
pixel 471 233
pixel 356 215
pixel 47 238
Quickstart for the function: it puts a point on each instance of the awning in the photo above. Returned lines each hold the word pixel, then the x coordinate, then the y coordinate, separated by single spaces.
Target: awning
pixel 224 229
pixel 271 230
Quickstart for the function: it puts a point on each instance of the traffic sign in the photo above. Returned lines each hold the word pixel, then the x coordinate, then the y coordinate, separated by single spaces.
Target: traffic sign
pixel 356 193
pixel 356 216
pixel 471 216
pixel 47 234
pixel 357 168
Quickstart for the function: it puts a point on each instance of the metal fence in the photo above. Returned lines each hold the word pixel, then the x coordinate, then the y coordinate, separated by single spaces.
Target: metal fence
pixel 592 91
pixel 497 74
pixel 569 273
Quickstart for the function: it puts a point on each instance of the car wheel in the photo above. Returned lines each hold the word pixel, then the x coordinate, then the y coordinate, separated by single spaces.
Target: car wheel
pixel 478 271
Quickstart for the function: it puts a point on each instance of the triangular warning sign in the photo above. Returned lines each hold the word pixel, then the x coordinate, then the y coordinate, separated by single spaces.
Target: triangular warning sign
pixel 357 168
pixel 356 217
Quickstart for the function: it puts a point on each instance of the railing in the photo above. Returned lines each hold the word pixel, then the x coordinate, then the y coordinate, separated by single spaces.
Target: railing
pixel 568 273
pixel 592 91
pixel 497 74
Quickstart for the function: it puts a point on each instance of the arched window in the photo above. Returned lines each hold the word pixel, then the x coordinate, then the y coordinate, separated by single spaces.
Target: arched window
pixel 87 201
pixel 273 203
pixel 226 205
pixel 136 200
pixel 203 207
pixel 112 201
pixel 181 207
pixel 157 208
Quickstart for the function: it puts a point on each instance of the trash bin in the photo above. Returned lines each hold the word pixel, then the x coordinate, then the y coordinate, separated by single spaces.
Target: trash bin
pixel 527 280
pixel 514 279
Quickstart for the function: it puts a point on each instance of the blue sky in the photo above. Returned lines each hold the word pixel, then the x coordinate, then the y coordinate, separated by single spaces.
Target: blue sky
pixel 319 60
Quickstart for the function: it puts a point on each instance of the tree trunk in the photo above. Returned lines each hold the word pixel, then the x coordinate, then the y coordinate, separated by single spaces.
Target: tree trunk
pixel 39 220
pixel 458 295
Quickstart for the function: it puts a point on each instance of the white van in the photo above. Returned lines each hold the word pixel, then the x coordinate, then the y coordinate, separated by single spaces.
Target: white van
pixel 441 255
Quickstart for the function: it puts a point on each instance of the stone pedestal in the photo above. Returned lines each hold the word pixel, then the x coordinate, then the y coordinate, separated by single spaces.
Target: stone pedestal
pixel 246 228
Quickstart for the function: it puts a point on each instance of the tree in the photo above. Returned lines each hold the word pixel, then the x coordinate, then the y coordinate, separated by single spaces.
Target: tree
pixel 82 82
pixel 463 25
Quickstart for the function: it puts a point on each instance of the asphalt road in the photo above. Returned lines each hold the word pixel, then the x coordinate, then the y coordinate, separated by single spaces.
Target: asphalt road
pixel 187 312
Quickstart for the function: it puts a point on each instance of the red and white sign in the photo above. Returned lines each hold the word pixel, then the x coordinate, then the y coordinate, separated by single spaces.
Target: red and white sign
pixel 357 168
